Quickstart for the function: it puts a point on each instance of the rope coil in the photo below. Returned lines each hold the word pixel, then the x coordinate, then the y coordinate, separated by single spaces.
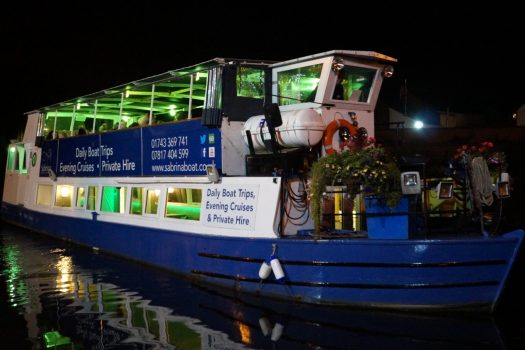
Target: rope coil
pixel 481 182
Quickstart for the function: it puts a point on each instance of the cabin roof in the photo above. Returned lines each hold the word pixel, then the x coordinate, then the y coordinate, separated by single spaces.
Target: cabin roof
pixel 204 66
pixel 349 53
pixel 136 83
pixel 153 79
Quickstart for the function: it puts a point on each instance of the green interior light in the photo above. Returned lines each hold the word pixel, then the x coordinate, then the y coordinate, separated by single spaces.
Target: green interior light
pixel 111 199
pixel 136 207
pixel 181 211
pixel 11 157
pixel 250 82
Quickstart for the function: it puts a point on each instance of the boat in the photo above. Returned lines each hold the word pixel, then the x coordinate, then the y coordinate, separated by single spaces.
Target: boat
pixel 206 171
pixel 74 298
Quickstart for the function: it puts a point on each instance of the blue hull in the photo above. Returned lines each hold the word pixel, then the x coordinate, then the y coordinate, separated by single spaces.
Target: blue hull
pixel 405 274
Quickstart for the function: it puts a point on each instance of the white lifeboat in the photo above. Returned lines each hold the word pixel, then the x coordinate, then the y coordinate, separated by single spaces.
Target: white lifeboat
pixel 301 128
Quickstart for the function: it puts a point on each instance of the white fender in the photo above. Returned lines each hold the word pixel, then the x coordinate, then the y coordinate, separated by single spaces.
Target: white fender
pixel 265 270
pixel 277 331
pixel 265 325
pixel 277 269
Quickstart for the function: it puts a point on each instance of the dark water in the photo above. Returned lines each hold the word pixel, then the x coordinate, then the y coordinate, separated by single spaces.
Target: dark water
pixel 58 296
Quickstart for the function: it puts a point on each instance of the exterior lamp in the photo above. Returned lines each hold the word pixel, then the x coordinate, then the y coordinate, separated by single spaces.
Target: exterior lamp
pixel 410 182
pixel 502 186
pixel 388 71
pixel 337 64
pixel 445 189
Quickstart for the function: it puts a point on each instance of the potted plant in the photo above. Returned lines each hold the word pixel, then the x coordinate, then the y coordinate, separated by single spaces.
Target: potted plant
pixel 366 168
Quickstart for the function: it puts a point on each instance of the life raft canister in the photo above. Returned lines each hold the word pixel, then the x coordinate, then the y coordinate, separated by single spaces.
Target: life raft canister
pixel 331 129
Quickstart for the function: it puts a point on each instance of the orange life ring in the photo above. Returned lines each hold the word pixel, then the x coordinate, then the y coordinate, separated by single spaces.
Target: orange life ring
pixel 334 126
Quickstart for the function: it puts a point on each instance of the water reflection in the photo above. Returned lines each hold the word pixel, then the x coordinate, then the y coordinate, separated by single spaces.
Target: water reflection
pixel 70 297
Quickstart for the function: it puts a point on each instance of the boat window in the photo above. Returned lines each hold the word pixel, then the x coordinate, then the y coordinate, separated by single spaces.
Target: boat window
pixel 113 199
pixel 152 201
pixel 298 85
pixel 59 123
pixel 11 158
pixel 81 197
pixel 184 203
pixel 91 116
pixel 250 82
pixel 136 200
pixel 184 97
pixel 43 194
pixel 49 124
pixel 16 159
pixel 21 152
pixel 138 102
pixel 64 196
pixel 92 197
pixel 354 84
pixel 179 96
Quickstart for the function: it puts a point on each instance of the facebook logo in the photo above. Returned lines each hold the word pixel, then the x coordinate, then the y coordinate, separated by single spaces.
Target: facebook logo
pixel 204 152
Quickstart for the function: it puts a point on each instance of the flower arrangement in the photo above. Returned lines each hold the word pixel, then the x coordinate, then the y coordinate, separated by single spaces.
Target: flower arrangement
pixel 362 168
pixel 496 161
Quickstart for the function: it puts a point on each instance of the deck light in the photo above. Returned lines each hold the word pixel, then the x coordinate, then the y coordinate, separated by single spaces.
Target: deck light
pixel 337 64
pixel 388 71
pixel 410 182
pixel 445 189
pixel 502 186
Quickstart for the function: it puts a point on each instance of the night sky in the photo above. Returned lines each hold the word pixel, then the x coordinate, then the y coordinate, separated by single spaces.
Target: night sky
pixel 466 60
